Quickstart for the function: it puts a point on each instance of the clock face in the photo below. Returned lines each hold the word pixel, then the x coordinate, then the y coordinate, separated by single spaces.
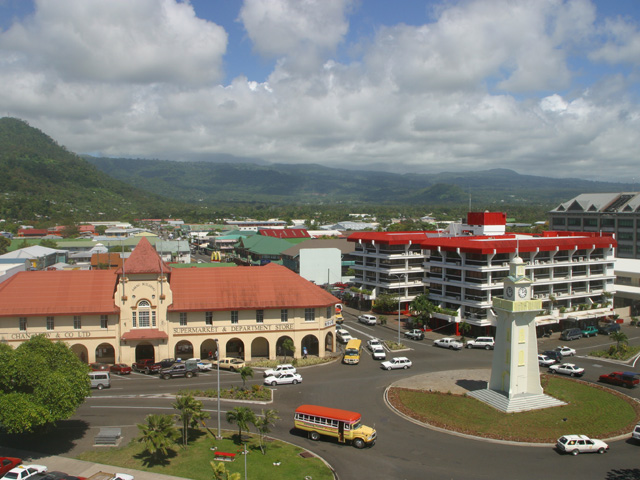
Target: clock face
pixel 522 292
pixel 509 292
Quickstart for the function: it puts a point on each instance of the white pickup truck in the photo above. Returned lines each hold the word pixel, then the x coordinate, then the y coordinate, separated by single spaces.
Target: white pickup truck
pixel 448 342
pixel 110 476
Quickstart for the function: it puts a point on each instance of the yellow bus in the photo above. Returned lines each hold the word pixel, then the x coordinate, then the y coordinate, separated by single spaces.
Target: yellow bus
pixel 352 352
pixel 336 423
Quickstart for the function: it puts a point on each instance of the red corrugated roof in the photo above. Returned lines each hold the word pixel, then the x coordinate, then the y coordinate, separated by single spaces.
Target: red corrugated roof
pixel 285 233
pixel 49 293
pixel 334 413
pixel 244 288
pixel 144 259
pixel 144 334
pixel 388 238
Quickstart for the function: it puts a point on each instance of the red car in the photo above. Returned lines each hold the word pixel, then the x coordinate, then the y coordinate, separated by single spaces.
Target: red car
pixel 7 463
pixel 99 367
pixel 623 379
pixel 120 369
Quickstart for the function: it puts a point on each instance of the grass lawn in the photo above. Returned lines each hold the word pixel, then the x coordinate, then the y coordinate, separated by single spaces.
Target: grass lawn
pixel 193 462
pixel 591 410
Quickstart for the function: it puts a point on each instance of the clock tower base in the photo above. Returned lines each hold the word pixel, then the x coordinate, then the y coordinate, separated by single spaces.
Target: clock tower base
pixel 516 403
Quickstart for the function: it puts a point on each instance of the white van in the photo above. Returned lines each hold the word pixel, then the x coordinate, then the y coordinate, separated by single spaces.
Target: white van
pixel 100 380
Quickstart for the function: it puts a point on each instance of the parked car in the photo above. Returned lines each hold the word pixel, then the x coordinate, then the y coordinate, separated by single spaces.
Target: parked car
pixel 396 362
pixel 567 369
pixel 55 475
pixel 590 331
pixel 636 433
pixel 448 342
pixel 575 444
pixel 557 356
pixel 167 362
pixel 282 368
pixel 569 334
pixel 482 342
pixel 545 361
pixel 622 379
pixel 203 366
pixel 566 351
pixel 378 353
pixel 22 472
pixel 231 364
pixel 99 367
pixel 146 366
pixel 608 328
pixel 343 336
pixel 120 369
pixel 283 379
pixel 368 319
pixel 415 334
pixel 7 463
pixel 186 370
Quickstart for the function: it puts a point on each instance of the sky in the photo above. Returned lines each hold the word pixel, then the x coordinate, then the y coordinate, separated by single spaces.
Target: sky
pixel 544 87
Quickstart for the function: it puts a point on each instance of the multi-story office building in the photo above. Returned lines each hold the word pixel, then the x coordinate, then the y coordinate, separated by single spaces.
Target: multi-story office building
pixel 616 213
pixel 463 269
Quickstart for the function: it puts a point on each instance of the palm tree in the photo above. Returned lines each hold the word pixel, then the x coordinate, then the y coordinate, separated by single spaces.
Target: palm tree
pixel 220 472
pixel 619 337
pixel 158 434
pixel 245 372
pixel 464 328
pixel 190 413
pixel 241 416
pixel 262 424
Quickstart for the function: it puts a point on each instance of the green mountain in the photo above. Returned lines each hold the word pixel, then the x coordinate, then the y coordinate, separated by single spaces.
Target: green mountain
pixel 41 179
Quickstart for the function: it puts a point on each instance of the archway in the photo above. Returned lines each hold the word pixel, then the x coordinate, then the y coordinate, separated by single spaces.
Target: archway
pixel 235 348
pixel 208 349
pixel 329 342
pixel 81 352
pixel 310 342
pixel 184 350
pixel 260 348
pixel 280 350
pixel 105 353
pixel 145 351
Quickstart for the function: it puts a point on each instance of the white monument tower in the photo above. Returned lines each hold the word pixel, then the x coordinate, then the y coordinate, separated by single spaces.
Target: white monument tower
pixel 515 375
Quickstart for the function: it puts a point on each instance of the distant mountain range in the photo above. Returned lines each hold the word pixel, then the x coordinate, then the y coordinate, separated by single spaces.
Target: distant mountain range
pixel 39 178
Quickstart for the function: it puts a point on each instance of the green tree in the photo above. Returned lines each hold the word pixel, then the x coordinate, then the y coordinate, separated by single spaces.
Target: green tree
pixel 191 414
pixel 619 338
pixel 241 416
pixel 158 435
pixel 41 382
pixel 262 424
pixel 220 472
pixel 245 372
pixel 386 303
pixel 423 308
pixel 464 328
pixel 49 243
pixel 288 347
pixel 5 243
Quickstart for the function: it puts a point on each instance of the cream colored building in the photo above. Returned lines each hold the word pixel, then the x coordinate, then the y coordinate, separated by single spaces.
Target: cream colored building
pixel 148 310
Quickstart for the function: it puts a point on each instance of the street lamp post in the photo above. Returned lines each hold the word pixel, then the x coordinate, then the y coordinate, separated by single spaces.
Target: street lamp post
pixel 399 278
pixel 218 390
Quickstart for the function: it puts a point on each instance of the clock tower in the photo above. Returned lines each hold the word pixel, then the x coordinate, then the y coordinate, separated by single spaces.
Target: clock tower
pixel 515 376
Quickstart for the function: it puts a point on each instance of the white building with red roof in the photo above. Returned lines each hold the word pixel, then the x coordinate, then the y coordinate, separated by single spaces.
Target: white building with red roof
pixel 146 309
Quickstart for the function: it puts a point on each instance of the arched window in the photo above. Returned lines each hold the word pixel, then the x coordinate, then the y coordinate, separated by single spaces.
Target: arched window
pixel 146 316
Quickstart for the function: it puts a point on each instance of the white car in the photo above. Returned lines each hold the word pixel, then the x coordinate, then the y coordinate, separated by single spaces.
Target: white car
pixel 21 472
pixel 575 444
pixel 283 379
pixel 396 362
pixel 545 361
pixel 567 369
pixel 448 342
pixel 368 319
pixel 283 368
pixel 565 351
pixel 482 342
pixel 636 432
pixel 374 342
pixel 343 336
pixel 377 352
pixel 204 366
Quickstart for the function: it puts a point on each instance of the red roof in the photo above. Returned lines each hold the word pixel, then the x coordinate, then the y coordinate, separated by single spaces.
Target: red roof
pixel 486 218
pixel 59 292
pixel 244 288
pixel 32 232
pixel 144 259
pixel 285 233
pixel 388 238
pixel 334 413
pixel 144 334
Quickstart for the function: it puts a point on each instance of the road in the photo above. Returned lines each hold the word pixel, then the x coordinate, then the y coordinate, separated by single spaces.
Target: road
pixel 404 450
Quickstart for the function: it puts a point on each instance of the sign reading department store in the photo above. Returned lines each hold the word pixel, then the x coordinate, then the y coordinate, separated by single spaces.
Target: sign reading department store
pixel 230 329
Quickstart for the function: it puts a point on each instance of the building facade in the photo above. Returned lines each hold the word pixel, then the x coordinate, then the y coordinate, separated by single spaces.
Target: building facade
pixel 615 213
pixel 149 310
pixel 572 273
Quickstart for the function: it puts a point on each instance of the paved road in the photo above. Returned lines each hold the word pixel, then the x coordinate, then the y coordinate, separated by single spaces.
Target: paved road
pixel 404 450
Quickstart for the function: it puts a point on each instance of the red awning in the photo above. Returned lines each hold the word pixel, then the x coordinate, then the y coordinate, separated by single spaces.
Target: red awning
pixel 144 334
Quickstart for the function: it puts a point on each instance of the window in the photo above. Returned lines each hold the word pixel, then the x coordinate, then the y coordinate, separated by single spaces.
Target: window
pixel 23 324
pixel 183 319
pixel 104 321
pixel 575 222
pixel 234 316
pixel 153 318
pixel 260 316
pixel 626 223
pixel 144 314
pixel 309 314
pixel 208 318
pixel 77 322
pixel 329 312
pixel 133 315
pixel 50 323
pixel 284 315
